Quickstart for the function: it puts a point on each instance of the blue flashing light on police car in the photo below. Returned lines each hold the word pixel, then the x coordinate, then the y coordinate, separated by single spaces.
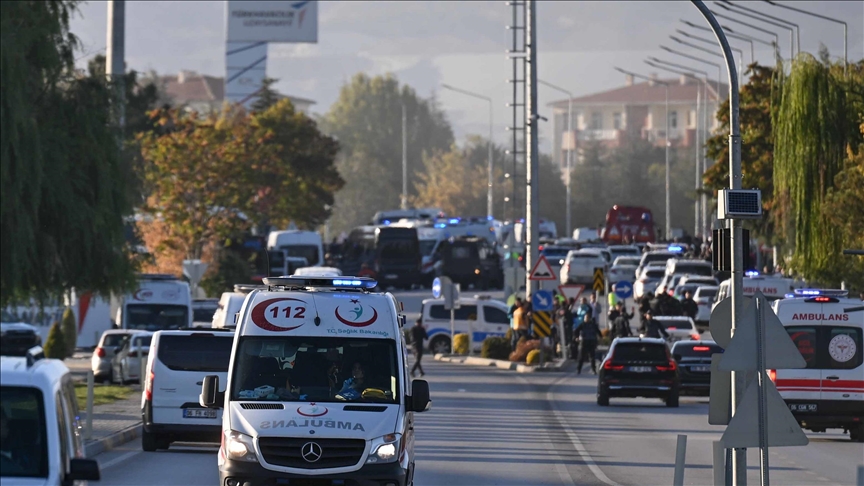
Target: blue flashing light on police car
pixel 386 221
pixel 751 273
pixel 454 220
pixel 440 225
pixel 676 248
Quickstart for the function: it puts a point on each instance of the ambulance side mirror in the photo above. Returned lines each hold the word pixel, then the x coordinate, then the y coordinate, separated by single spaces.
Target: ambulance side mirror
pixel 419 400
pixel 210 396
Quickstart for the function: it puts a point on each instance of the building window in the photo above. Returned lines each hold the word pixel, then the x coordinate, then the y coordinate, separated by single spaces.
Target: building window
pixel 617 121
pixel 673 119
pixel 596 121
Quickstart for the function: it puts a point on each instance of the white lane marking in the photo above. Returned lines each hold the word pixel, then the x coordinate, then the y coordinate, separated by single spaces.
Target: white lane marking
pixel 118 460
pixel 574 439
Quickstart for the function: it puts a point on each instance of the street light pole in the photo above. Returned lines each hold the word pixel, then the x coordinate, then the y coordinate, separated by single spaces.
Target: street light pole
pixel 666 139
pixel 115 58
pixel 489 199
pixel 769 22
pixel 404 160
pixel 702 39
pixel 760 29
pixel 698 59
pixel 845 28
pixel 776 19
pixel 569 149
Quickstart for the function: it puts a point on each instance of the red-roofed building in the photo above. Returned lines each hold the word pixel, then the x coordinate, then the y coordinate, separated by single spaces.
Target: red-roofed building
pixel 205 94
pixel 633 110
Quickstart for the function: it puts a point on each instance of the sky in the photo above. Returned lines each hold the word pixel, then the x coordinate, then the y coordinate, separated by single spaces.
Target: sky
pixel 459 43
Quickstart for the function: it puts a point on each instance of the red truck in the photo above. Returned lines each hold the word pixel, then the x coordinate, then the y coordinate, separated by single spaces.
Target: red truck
pixel 630 224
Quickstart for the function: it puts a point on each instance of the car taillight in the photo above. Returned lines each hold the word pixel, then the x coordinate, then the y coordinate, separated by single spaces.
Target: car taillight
pixel 772 375
pixel 100 352
pixel 148 389
pixel 701 348
pixel 609 366
pixel 672 366
pixel 694 337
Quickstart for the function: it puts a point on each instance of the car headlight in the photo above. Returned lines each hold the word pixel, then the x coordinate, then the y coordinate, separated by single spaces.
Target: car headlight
pixel 239 447
pixel 385 449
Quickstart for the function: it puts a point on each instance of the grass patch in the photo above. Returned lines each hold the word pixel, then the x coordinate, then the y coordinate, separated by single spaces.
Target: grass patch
pixel 102 394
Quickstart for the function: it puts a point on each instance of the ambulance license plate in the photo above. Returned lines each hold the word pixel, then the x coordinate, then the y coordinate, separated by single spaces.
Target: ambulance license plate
pixel 199 413
pixel 803 407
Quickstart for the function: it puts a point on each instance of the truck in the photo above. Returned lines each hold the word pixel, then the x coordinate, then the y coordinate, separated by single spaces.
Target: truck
pixel 629 224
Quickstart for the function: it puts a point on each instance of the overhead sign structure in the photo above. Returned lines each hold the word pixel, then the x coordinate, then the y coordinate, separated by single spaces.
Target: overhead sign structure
pixel 542 270
pixel 272 21
pixel 599 281
pixel 542 323
pixel 624 289
pixel 542 300
pixel 571 291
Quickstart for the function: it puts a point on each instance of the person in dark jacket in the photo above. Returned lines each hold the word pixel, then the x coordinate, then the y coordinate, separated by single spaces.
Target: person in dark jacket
pixel 589 334
pixel 621 322
pixel 689 306
pixel 652 328
pixel 418 335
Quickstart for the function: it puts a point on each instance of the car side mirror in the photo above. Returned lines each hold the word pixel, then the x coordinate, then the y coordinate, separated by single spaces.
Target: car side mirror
pixel 83 470
pixel 210 396
pixel 419 400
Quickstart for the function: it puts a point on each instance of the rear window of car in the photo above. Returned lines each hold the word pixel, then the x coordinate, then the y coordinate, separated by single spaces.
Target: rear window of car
pixel 113 340
pixel 707 293
pixel 639 352
pixel 669 324
pixel 202 315
pixel 688 350
pixel 705 270
pixel 142 341
pixel 463 313
pixel 585 256
pixel 196 352
pixel 655 273
pixel 555 252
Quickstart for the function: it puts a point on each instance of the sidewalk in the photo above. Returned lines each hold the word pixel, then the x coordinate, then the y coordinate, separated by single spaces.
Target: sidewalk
pixel 556 365
pixel 113 424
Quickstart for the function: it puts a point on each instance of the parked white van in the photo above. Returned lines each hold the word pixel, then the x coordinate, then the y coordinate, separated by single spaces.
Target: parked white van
pixel 298 243
pixel 479 317
pixel 160 302
pixel 772 287
pixel 318 387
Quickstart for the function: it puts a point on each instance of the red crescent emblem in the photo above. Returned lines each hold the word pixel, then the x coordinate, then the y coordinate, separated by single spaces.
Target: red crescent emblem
pixel 260 319
pixel 358 324
pixel 312 414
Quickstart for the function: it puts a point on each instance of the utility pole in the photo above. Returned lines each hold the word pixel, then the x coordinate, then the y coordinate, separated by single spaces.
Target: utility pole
pixel 115 57
pixel 404 160
pixel 531 152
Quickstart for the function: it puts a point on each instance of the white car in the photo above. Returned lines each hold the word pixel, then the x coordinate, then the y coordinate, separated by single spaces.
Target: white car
pixel 318 272
pixel 176 366
pixel 100 362
pixel 648 280
pixel 126 364
pixel 579 266
pixel 623 268
pixel 704 298
pixel 482 317
pixel 679 328
pixel 625 250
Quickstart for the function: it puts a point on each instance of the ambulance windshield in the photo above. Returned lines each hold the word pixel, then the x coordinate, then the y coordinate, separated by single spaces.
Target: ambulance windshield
pixel 316 369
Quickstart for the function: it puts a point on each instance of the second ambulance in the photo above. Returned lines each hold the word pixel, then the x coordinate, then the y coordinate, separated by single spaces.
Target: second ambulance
pixel 318 387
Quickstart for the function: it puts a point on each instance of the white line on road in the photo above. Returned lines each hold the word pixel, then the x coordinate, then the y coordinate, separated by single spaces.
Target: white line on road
pixel 118 460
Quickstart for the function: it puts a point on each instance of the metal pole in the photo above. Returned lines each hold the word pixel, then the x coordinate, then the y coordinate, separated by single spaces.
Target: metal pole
pixel 404 159
pixel 706 225
pixel 761 14
pixel 88 432
pixel 680 456
pixel 531 152
pixel 696 225
pixel 668 200
pixel 761 18
pixel 763 414
pixel 719 460
pixel 739 458
pixel 489 199
pixel 115 56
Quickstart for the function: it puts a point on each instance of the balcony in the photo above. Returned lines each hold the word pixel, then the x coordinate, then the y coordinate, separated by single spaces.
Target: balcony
pixel 658 134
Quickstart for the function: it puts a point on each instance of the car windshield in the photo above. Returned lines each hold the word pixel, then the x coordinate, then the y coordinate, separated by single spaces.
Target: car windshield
pixel 155 317
pixel 309 252
pixel 142 342
pixel 635 351
pixel 23 442
pixel 316 369
pixel 113 340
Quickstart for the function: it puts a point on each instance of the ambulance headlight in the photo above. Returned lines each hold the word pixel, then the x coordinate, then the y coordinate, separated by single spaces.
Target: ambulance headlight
pixel 385 449
pixel 239 447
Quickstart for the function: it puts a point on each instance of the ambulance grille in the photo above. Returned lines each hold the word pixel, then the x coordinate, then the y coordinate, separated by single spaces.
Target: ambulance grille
pixel 288 452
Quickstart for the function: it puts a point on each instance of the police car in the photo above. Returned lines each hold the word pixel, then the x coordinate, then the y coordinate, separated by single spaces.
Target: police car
pixel 40 441
pixel 317 387
pixel 827 328
pixel 481 316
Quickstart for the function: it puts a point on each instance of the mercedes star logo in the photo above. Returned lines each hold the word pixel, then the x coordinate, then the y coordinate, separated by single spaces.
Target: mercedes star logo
pixel 311 451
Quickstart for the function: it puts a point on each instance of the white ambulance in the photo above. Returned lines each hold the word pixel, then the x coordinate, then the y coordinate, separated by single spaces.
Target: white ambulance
pixel 773 287
pixel 160 302
pixel 827 328
pixel 318 387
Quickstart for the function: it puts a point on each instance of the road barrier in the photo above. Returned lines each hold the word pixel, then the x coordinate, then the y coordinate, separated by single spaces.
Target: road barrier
pixel 680 455
pixel 88 432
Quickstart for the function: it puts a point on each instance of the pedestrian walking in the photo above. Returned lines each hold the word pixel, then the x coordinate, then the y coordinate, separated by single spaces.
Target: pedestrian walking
pixel 589 334
pixel 596 308
pixel 652 328
pixel 520 323
pixel 418 335
pixel 566 313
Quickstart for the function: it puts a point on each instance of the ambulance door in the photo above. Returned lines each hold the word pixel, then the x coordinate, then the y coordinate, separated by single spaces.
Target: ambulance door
pixel 843 374
pixel 801 385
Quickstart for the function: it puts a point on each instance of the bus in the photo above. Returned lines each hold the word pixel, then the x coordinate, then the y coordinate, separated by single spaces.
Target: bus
pixel 393 253
pixel 630 224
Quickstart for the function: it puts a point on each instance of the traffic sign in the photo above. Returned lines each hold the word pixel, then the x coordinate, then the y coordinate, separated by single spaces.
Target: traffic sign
pixel 571 291
pixel 436 288
pixel 740 354
pixel 624 289
pixel 542 300
pixel 542 323
pixel 599 281
pixel 720 322
pixel 743 429
pixel 542 270
pixel 194 270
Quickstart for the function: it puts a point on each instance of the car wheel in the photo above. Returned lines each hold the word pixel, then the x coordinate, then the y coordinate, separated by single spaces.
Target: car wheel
pixel 672 399
pixel 149 441
pixel 440 345
pixel 602 396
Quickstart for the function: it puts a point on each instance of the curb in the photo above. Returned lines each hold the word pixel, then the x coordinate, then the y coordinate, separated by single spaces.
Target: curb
pixel 557 365
pixel 98 446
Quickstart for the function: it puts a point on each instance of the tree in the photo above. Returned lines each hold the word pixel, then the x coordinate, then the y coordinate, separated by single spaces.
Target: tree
pixel 267 96
pixel 55 346
pixel 64 190
pixel 842 208
pixel 367 122
pixel 70 331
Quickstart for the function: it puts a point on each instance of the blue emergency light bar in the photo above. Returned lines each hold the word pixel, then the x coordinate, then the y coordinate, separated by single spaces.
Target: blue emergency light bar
pixel 824 292
pixel 751 273
pixel 675 248
pixel 322 282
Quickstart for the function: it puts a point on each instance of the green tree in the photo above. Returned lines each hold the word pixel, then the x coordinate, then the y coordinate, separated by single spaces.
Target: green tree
pixel 70 331
pixel 55 346
pixel 267 96
pixel 64 191
pixel 230 269
pixel 366 119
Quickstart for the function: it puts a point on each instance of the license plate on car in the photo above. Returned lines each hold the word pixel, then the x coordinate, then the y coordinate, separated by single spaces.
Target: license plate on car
pixel 639 369
pixel 700 369
pixel 199 413
pixel 391 276
pixel 803 407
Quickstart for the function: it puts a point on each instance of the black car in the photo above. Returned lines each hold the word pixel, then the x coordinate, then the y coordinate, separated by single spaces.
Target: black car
pixel 16 338
pixel 638 367
pixel 469 260
pixel 694 365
